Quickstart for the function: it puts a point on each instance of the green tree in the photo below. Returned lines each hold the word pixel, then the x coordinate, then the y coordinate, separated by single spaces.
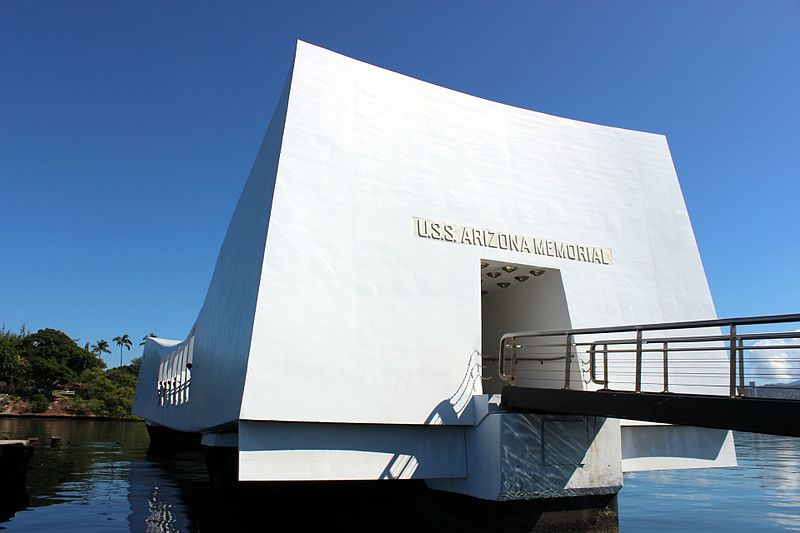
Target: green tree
pixel 100 348
pixel 144 339
pixel 45 373
pixel 123 342
pixel 101 396
pixel 51 358
pixel 108 393
pixel 11 365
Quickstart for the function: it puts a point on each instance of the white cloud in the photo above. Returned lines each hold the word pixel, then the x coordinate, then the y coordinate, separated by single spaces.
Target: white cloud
pixel 779 363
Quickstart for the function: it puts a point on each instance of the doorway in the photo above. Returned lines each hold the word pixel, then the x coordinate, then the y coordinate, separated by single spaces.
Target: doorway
pixel 514 298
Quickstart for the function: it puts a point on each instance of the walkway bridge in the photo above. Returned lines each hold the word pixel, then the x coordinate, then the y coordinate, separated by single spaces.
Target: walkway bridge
pixel 741 374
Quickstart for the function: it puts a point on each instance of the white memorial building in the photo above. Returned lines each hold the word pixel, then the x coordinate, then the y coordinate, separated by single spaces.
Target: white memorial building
pixel 390 232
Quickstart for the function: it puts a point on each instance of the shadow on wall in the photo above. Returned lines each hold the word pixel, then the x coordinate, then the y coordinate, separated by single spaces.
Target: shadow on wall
pixel 535 456
pixel 672 441
pixel 450 411
pixel 446 412
pixel 540 454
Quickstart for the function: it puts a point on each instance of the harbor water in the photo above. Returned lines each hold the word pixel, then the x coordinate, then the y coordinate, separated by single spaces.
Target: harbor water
pixel 102 478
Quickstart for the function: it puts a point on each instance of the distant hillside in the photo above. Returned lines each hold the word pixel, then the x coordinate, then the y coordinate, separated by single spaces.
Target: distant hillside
pixel 790 384
pixel 789 390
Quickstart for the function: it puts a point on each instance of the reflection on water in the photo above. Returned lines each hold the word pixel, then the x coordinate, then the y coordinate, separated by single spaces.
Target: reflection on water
pixel 102 478
pixel 81 484
pixel 762 494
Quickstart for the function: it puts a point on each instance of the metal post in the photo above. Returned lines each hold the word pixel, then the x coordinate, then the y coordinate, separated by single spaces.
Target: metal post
pixel 513 359
pixel 605 367
pixel 567 361
pixel 666 367
pixel 732 347
pixel 741 367
pixel 638 360
pixel 501 356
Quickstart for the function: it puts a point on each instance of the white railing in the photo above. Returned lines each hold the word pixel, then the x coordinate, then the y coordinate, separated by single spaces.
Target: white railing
pixel 175 374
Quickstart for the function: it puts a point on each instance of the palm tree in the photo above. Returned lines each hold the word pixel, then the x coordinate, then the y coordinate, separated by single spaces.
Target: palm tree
pixel 145 338
pixel 100 348
pixel 123 341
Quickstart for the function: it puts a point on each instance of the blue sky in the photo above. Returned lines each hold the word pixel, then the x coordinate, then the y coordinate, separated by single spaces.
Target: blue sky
pixel 127 129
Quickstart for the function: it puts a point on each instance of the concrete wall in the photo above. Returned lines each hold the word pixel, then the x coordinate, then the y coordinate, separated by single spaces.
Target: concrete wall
pixel 359 319
pixel 275 451
pixel 514 456
pixel 651 446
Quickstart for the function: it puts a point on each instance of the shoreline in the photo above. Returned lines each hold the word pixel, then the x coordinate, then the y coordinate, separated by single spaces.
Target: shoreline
pixel 68 417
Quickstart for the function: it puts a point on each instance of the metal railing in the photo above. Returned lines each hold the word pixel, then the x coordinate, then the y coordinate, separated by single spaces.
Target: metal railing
pixel 753 356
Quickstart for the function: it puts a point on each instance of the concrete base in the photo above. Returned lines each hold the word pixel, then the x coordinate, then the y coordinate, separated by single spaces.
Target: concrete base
pixel 14 458
pixel 519 456
pixel 403 505
pixel 222 463
pixel 164 439
pixel 301 451
pixel 573 514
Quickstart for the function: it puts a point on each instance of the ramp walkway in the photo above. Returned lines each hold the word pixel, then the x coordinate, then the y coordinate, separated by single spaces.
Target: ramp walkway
pixel 741 374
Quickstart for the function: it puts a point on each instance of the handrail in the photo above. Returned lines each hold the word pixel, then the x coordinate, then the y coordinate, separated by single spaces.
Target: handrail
pixel 732 342
pixel 744 321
